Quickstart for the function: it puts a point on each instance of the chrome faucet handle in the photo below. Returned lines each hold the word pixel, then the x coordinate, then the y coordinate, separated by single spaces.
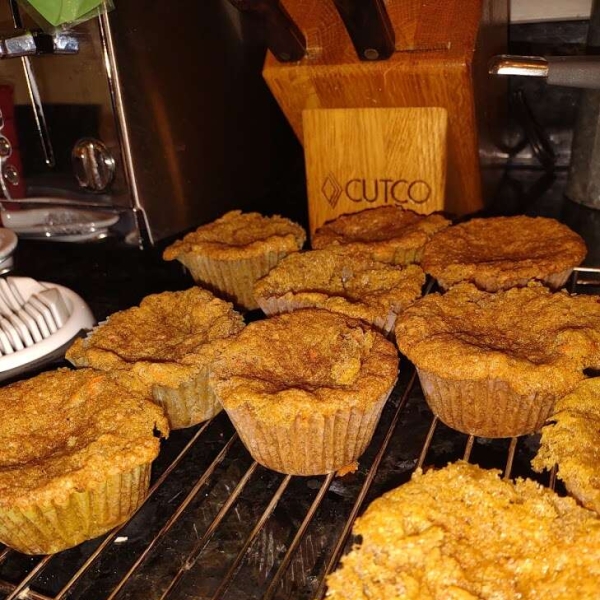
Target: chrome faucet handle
pixel 20 43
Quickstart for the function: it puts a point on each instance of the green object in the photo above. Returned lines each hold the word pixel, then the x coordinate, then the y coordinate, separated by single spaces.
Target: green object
pixel 59 12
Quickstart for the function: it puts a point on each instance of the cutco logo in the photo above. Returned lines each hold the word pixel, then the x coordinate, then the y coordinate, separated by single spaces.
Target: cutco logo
pixel 394 191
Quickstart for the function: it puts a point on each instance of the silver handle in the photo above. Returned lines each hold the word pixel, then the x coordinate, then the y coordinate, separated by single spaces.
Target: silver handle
pixel 31 43
pixel 569 71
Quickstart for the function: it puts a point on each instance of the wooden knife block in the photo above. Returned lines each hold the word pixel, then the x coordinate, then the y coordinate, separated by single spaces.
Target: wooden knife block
pixel 365 157
pixel 442 50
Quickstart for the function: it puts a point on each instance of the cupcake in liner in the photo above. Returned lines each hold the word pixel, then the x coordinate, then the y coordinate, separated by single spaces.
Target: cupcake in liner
pixel 75 460
pixel 388 234
pixel 346 282
pixel 490 409
pixel 494 364
pixel 163 349
pixel 464 533
pixel 305 389
pixel 571 440
pixel 502 252
pixel 230 254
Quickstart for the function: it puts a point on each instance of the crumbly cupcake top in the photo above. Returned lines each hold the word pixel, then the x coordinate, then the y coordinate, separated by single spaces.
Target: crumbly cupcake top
pixel 292 364
pixel 350 283
pixel 66 431
pixel 535 339
pixel 386 232
pixel 501 252
pixel 571 440
pixel 238 235
pixel 164 341
pixel 462 533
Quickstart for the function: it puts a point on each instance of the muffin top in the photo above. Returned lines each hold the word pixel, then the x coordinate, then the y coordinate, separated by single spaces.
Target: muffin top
pixel 66 431
pixel 463 533
pixel 386 231
pixel 535 339
pixel 292 364
pixel 350 283
pixel 238 235
pixel 501 252
pixel 165 341
pixel 571 440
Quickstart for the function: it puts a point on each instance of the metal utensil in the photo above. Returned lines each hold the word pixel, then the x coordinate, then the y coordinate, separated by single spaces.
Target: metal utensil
pixel 27 322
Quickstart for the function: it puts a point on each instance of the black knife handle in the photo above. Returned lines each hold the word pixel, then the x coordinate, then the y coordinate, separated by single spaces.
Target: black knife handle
pixel 369 27
pixel 284 38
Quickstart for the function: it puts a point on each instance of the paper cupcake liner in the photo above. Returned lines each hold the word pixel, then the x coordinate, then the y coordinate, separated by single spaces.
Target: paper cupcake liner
pixel 557 280
pixel 393 255
pixel 554 281
pixel 487 408
pixel 408 256
pixel 191 403
pixel 313 446
pixel 232 279
pixel 46 529
pixel 274 305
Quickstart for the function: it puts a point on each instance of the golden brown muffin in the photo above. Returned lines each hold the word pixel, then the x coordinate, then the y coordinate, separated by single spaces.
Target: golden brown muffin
pixel 349 283
pixel 75 455
pixel 493 365
pixel 571 440
pixel 462 533
pixel 305 389
pixel 231 253
pixel 503 252
pixel 388 234
pixel 165 347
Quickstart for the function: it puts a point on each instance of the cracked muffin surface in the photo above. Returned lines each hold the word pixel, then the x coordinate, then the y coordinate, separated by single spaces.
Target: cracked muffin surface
pixel 463 533
pixel 388 233
pixel 305 389
pixel 501 252
pixel 342 281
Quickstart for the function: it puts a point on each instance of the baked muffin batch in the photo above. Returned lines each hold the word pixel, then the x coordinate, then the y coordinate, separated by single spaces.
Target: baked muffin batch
pixel 499 353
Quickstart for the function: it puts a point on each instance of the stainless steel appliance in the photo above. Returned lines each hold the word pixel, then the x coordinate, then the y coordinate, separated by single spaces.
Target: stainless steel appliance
pixel 160 116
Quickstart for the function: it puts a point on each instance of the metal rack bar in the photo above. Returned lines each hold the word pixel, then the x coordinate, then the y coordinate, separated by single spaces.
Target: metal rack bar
pixel 225 582
pixel 427 443
pixel 111 536
pixel 175 516
pixel 272 589
pixel 207 536
pixel 511 457
pixel 469 447
pixel 341 541
pixel 32 594
pixel 30 577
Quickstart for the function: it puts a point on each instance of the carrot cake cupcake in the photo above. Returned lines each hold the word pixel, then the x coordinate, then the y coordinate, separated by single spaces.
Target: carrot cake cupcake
pixel 165 347
pixel 502 252
pixel 463 533
pixel 350 283
pixel 231 253
pixel 388 233
pixel 493 365
pixel 305 389
pixel 75 455
pixel 571 440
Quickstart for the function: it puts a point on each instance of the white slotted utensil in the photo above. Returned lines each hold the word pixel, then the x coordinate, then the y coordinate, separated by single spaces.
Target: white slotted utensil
pixel 38 321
